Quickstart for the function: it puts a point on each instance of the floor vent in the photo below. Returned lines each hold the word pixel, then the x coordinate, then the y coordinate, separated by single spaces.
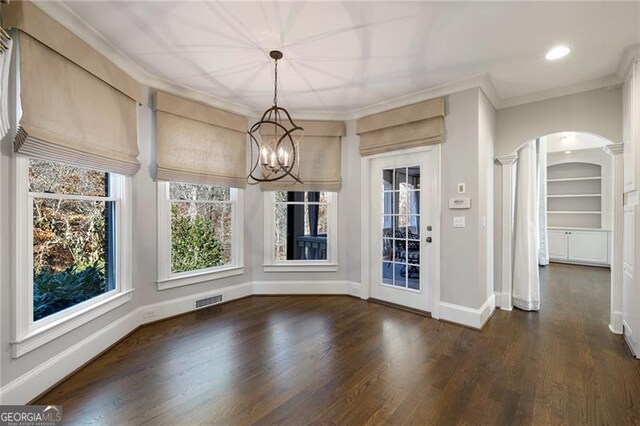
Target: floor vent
pixel 208 301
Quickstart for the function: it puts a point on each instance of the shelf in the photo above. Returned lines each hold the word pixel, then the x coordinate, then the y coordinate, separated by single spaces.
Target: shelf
pixel 573 212
pixel 575 179
pixel 574 195
pixel 569 228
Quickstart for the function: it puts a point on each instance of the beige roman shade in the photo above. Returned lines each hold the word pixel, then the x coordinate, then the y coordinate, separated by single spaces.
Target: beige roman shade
pixel 407 127
pixel 197 143
pixel 319 158
pixel 69 113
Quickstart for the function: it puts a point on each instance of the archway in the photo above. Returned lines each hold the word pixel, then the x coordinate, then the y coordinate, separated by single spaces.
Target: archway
pixel 609 220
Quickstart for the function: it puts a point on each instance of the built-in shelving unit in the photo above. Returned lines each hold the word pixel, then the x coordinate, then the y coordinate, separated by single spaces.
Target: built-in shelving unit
pixel 578 207
pixel 574 195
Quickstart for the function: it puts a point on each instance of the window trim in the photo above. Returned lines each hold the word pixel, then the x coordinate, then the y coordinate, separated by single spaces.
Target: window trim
pixel 28 335
pixel 328 265
pixel 167 279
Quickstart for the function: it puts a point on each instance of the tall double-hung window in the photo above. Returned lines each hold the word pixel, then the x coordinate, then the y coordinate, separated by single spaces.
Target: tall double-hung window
pixel 75 127
pixel 201 158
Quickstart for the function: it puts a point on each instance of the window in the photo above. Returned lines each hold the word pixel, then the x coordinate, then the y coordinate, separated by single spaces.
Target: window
pixel 73 236
pixel 300 231
pixel 198 234
pixel 70 234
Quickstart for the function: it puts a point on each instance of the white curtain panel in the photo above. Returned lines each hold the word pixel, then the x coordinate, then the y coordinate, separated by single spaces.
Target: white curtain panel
pixel 526 280
pixel 543 255
pixel 5 59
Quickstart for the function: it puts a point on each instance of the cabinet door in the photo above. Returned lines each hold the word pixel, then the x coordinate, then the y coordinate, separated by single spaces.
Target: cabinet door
pixel 558 245
pixel 585 246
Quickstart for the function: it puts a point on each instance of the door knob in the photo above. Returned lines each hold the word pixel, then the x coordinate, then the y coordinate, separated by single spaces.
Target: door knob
pixel 429 239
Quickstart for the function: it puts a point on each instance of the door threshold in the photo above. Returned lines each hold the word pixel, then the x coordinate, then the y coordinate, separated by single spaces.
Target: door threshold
pixel 401 307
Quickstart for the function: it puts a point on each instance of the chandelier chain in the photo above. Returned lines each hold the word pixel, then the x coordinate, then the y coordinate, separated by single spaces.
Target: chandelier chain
pixel 275 84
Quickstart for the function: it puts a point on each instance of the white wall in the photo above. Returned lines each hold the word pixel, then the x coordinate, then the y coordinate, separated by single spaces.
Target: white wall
pixel 486 139
pixel 466 271
pixel 467 157
pixel 596 111
pixel 145 246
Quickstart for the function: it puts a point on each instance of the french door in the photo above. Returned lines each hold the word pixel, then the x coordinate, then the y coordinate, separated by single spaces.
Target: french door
pixel 404 212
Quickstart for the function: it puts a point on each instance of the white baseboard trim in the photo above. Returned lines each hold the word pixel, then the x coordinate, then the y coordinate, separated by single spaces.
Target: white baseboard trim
pixel 498 298
pixel 169 308
pixel 33 383
pixel 354 289
pixel 616 323
pixel 301 287
pixel 474 318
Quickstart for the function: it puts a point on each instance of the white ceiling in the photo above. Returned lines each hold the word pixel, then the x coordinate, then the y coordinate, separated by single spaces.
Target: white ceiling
pixel 340 57
pixel 573 141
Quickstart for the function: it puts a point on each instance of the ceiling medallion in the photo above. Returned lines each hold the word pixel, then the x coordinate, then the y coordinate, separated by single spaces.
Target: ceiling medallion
pixel 275 141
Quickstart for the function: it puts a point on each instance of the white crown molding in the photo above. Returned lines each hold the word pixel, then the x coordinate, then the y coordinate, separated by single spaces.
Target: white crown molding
pixel 609 81
pixel 482 81
pixel 70 20
pixel 630 54
pixel 61 13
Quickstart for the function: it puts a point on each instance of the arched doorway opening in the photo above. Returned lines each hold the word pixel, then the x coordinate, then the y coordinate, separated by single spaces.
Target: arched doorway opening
pixel 581 203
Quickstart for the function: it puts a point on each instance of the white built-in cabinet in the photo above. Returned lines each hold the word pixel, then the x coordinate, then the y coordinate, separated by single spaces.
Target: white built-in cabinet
pixel 579 207
pixel 583 246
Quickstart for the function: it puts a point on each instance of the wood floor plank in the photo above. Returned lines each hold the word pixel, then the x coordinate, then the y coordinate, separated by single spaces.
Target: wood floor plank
pixel 340 360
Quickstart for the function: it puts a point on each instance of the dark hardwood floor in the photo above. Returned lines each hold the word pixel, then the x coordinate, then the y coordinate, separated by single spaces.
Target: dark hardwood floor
pixel 298 360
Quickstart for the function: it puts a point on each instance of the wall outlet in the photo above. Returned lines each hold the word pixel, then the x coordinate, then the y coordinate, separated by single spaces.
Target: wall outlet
pixel 148 314
pixel 459 222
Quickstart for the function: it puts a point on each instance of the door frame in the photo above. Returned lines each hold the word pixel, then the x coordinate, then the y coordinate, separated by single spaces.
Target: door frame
pixel 365 191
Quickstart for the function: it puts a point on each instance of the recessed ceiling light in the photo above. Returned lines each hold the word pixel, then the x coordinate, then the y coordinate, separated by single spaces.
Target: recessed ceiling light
pixel 557 53
pixel 567 152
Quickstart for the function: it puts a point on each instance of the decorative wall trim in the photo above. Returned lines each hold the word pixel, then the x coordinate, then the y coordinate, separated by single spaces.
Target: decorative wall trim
pixel 498 298
pixel 473 318
pixel 616 322
pixel 609 81
pixel 33 383
pixel 301 287
pixel 631 53
pixel 508 201
pixel 617 234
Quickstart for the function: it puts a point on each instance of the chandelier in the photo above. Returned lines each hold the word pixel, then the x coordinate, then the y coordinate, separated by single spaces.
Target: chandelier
pixel 275 141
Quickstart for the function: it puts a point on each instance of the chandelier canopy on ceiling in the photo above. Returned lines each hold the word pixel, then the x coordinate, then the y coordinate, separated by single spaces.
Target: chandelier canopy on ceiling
pixel 275 141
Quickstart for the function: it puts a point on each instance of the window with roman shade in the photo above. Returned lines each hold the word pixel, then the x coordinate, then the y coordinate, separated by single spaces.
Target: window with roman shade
pixel 77 106
pixel 319 156
pixel 406 127
pixel 199 144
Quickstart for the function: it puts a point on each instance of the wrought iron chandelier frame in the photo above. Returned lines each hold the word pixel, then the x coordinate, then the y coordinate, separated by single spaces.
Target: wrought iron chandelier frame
pixel 273 117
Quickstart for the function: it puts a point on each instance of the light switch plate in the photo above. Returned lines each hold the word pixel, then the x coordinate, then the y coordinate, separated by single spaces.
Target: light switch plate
pixel 459 222
pixel 461 188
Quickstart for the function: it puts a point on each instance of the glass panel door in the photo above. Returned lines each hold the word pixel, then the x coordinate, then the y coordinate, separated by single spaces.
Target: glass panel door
pixel 401 227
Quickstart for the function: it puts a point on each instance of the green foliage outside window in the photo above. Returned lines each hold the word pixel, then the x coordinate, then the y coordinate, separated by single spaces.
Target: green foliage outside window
pixel 55 291
pixel 194 244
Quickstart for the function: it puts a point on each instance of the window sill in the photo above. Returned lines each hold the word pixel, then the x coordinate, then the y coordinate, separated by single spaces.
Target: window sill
pixel 300 267
pixel 68 323
pixel 199 277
